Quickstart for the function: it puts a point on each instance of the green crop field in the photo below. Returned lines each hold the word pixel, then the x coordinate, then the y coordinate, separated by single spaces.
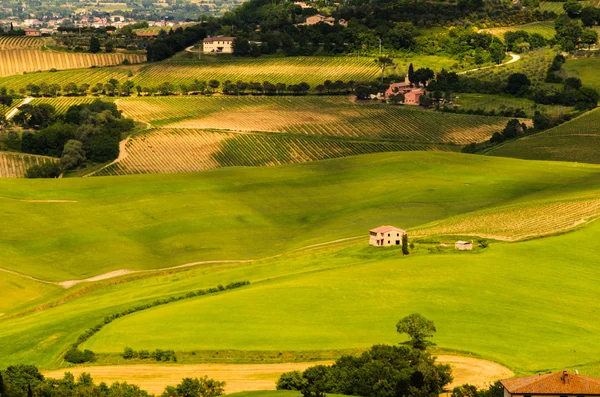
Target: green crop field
pixel 557 7
pixel 62 104
pixel 342 296
pixel 544 28
pixel 185 68
pixel 501 103
pixel 534 64
pixel 576 140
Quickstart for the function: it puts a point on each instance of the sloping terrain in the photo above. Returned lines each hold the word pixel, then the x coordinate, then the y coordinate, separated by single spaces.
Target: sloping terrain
pixel 577 140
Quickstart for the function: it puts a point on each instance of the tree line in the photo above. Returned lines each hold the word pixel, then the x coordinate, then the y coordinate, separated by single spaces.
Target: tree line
pixel 26 381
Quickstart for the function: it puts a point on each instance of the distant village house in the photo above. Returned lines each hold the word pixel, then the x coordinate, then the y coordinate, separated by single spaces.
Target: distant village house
pixel 32 32
pixel 218 45
pixel 412 96
pixel 318 18
pixel 463 245
pixel 563 384
pixel 385 236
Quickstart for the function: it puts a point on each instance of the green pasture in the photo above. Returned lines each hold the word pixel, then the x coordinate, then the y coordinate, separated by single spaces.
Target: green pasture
pixel 577 140
pixel 499 303
pixel 345 296
pixel 500 103
pixel 149 222
pixel 586 69
pixel 18 292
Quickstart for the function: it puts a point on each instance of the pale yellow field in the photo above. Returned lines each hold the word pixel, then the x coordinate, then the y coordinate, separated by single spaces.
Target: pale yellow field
pixel 18 60
pixel 518 222
pixel 249 377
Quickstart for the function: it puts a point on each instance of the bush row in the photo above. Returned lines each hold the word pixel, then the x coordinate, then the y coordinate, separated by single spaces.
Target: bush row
pixel 109 319
pixel 157 355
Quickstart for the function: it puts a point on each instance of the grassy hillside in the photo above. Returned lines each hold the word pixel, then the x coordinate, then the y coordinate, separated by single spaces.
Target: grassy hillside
pixel 154 221
pixel 577 140
pixel 586 69
pixel 482 302
pixel 159 221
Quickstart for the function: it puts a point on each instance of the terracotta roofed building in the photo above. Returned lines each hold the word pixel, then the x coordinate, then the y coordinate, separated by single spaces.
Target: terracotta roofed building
pixel 557 384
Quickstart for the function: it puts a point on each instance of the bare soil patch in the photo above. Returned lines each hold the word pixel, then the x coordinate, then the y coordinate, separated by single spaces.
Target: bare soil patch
pixel 474 371
pixel 154 378
pixel 249 377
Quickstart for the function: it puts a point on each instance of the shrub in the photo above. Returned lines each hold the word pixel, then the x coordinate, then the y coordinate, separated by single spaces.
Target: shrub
pixel 49 169
pixel 129 353
pixel 76 356
pixel 292 380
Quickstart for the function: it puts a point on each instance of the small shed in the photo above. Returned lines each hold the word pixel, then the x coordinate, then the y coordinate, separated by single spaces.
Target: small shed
pixel 463 245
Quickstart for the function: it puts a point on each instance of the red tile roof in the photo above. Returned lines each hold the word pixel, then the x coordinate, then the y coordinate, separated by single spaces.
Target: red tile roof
pixel 558 383
pixel 385 229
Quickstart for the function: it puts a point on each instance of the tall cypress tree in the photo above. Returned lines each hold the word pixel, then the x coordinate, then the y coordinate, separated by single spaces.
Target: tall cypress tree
pixel 411 74
pixel 405 244
pixel 29 392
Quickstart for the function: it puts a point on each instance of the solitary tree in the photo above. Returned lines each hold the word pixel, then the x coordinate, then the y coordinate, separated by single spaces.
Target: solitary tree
pixel 418 329
pixel 384 62
pixel 411 74
pixel 405 244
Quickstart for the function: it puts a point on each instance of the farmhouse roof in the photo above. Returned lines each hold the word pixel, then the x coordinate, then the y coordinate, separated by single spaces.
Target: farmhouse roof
pixel 557 383
pixel 463 242
pixel 31 30
pixel 218 38
pixel 385 229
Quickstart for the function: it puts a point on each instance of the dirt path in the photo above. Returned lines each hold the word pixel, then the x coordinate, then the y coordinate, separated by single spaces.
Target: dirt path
pixel 514 58
pixel 14 111
pixel 248 377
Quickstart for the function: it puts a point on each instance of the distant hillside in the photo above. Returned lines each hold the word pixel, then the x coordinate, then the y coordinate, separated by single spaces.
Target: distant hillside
pixel 577 140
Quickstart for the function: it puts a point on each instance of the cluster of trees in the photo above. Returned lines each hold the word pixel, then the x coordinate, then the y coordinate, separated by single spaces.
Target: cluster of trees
pixel 111 88
pixel 520 41
pixel 570 34
pixel 514 129
pixel 407 370
pixel 87 132
pixel 157 355
pixel 167 44
pixel 76 356
pixel 49 169
pixel 466 42
pixel 27 381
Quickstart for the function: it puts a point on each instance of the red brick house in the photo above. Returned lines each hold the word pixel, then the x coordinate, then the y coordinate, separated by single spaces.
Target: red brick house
pixel 411 95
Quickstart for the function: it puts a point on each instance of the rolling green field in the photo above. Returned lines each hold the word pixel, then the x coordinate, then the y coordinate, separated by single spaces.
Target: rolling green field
pixel 500 103
pixel 318 201
pixel 586 69
pixel 577 140
pixel 154 221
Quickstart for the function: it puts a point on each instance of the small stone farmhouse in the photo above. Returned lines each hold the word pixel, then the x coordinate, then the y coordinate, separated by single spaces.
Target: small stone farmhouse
pixel 411 95
pixel 384 236
pixel 218 45
pixel 557 384
pixel 315 19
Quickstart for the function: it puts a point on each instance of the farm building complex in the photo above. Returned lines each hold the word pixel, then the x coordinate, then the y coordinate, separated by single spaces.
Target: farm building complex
pixel 384 236
pixel 563 384
pixel 411 95
pixel 217 45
